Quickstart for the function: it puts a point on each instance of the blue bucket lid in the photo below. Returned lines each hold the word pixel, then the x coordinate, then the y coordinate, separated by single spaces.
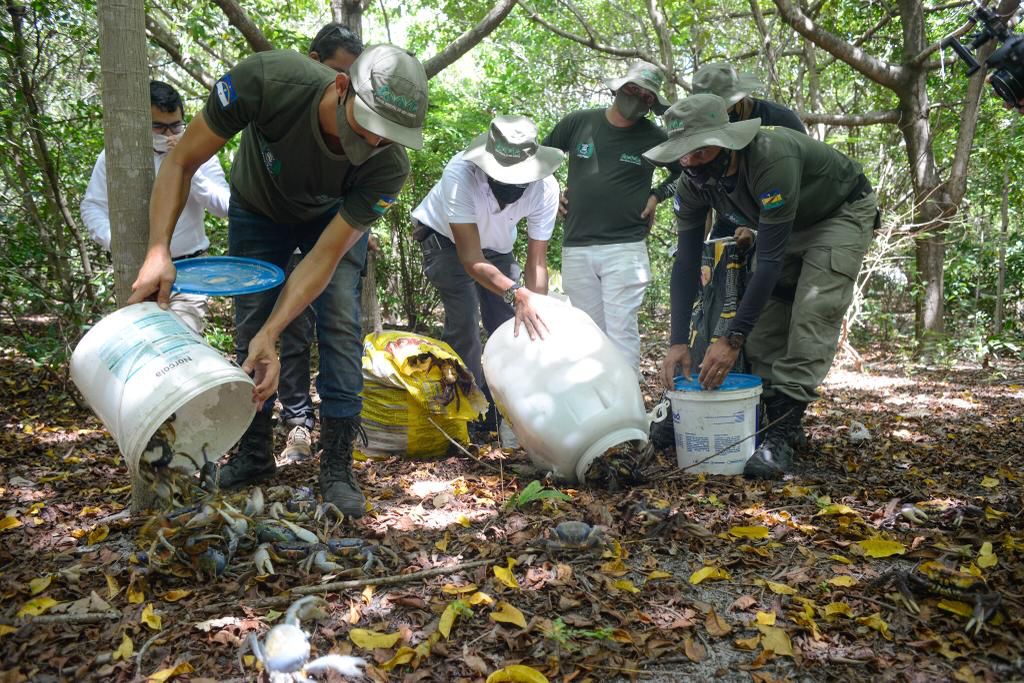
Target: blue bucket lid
pixel 225 275
pixel 733 382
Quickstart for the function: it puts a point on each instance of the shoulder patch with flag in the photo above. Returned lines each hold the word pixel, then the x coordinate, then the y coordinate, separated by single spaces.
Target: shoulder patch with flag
pixel 383 204
pixel 225 91
pixel 772 199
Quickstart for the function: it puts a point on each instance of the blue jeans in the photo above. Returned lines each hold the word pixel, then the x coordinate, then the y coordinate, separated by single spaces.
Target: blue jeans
pixel 338 324
pixel 293 388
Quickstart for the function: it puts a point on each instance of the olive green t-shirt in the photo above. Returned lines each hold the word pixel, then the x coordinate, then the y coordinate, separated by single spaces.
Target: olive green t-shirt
pixel 782 176
pixel 283 168
pixel 609 181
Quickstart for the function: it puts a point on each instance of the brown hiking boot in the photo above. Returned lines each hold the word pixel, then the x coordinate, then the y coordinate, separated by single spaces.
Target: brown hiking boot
pixel 252 463
pixel 337 483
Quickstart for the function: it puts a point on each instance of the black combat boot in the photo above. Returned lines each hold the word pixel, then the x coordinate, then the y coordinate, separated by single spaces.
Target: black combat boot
pixel 774 458
pixel 252 463
pixel 337 483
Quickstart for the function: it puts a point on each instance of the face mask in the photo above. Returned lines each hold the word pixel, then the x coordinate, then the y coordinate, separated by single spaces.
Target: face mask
pixel 630 107
pixel 160 143
pixel 710 174
pixel 355 147
pixel 505 194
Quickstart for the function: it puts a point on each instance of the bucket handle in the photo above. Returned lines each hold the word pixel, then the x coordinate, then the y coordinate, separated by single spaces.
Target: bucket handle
pixel 659 412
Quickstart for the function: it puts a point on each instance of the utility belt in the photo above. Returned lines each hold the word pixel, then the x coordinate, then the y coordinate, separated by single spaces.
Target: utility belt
pixel 194 254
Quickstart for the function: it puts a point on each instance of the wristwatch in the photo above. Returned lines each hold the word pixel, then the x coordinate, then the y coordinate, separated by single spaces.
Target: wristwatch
pixel 510 294
pixel 736 340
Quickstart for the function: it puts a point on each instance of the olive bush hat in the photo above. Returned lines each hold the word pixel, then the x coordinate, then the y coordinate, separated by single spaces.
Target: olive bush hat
pixel 509 153
pixel 391 94
pixel 723 80
pixel 700 121
pixel 648 77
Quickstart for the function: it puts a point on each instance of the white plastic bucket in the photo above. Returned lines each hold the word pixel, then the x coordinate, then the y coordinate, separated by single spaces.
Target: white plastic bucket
pixel 141 364
pixel 706 422
pixel 568 397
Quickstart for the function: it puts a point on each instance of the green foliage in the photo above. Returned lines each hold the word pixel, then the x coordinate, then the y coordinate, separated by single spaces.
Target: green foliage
pixel 533 492
pixel 564 634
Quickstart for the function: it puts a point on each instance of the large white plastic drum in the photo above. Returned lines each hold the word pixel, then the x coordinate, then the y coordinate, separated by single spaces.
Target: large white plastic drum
pixel 715 429
pixel 569 397
pixel 140 365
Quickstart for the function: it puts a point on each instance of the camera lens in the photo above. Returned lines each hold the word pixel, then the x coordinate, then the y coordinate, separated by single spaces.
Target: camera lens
pixel 1008 86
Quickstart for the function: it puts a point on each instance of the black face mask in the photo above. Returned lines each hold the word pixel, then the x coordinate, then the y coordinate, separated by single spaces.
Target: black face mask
pixel 504 193
pixel 707 176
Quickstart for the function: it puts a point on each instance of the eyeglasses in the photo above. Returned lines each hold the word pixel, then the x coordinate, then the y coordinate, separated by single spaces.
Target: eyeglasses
pixel 699 156
pixel 636 91
pixel 169 128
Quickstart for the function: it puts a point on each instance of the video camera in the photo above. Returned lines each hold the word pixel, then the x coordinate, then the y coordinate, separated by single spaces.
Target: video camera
pixel 1007 61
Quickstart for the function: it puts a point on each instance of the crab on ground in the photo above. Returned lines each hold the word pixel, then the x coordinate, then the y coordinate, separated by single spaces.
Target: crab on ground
pixel 322 556
pixel 284 652
pixel 935 579
pixel 574 537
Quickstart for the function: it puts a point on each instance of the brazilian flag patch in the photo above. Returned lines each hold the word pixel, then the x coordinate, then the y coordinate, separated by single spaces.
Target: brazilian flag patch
pixel 772 199
pixel 383 204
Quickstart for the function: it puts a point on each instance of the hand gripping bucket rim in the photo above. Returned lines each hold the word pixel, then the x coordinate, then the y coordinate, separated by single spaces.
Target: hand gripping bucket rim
pixel 722 419
pixel 140 365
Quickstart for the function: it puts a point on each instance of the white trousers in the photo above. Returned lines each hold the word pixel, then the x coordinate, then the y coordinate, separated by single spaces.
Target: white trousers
pixel 607 282
pixel 192 309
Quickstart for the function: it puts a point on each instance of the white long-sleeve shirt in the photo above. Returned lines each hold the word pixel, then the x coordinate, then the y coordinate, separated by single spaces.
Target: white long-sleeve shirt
pixel 463 196
pixel 209 191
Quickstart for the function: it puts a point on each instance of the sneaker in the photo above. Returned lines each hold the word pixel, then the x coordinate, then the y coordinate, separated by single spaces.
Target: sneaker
pixel 337 483
pixel 252 463
pixel 298 446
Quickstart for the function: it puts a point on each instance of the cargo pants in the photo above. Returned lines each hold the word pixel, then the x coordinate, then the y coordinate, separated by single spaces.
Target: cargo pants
pixel 795 340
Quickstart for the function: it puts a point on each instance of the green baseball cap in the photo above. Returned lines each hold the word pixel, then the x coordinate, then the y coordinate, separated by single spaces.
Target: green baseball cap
pixel 700 121
pixel 719 78
pixel 391 94
pixel 509 153
pixel 646 76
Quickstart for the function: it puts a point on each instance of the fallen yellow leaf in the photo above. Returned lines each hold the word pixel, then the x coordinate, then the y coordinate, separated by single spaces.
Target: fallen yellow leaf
pixel 37 586
pixel 625 585
pixel 175 595
pixel 452 611
pixel 765 618
pixel 8 523
pixel 508 614
pixel 442 545
pixel 36 606
pixel 150 618
pixel 956 607
pixel 709 573
pixel 658 574
pixel 836 509
pixel 747 643
pixel 989 482
pixel 89 510
pixel 403 655
pixel 837 608
pixel 840 559
pixel 371 640
pixel 986 558
pixel 876 622
pixel 135 595
pixel 125 650
pixel 776 640
pixel 780 588
pixel 98 535
pixel 5 629
pixel 517 673
pixel 843 580
pixel 167 674
pixel 463 520
pixel 452 589
pixel 754 532
pixel 506 577
pixel 113 588
pixel 881 547
pixel 479 598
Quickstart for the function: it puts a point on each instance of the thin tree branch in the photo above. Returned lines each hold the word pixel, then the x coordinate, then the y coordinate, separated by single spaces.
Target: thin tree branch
pixel 851 120
pixel 166 41
pixel 593 43
pixel 469 39
pixel 238 18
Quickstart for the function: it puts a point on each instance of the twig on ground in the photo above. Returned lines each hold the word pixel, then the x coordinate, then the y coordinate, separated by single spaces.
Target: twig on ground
pixel 85 618
pixel 392 580
pixel 465 451
pixel 142 653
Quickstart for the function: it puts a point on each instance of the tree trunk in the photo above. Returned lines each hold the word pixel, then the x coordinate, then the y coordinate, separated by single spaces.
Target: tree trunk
pixel 129 149
pixel 349 13
pixel 1004 230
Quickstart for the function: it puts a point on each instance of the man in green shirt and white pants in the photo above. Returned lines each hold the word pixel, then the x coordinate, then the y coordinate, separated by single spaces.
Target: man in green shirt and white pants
pixel 611 203
pixel 815 212
pixel 321 159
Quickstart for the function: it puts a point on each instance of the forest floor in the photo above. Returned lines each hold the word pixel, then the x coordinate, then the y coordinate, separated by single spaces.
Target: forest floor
pixel 697 577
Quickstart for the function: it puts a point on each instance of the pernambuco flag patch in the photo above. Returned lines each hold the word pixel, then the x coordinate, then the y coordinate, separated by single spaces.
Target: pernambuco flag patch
pixel 772 199
pixel 383 204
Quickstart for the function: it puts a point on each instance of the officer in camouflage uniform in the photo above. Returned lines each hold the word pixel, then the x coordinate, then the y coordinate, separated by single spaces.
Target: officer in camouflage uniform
pixel 815 212
pixel 321 159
